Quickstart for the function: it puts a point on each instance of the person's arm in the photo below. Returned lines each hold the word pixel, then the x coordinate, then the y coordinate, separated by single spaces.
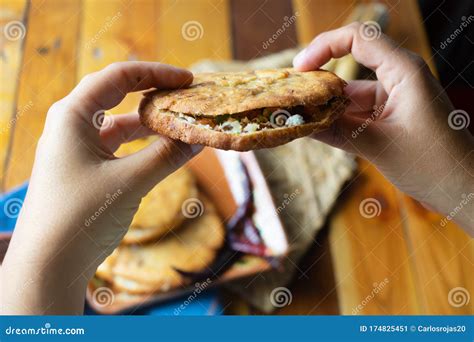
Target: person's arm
pixel 403 123
pixel 54 252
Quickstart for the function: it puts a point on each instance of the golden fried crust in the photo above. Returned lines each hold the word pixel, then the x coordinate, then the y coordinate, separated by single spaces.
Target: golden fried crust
pixel 151 268
pixel 234 92
pixel 175 128
pixel 160 210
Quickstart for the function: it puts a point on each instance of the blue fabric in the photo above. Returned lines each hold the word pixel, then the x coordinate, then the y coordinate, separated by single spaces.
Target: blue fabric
pixel 206 303
pixel 10 203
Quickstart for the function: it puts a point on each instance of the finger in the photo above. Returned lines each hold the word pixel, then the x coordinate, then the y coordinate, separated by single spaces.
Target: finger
pixel 106 88
pixel 391 63
pixel 145 168
pixel 354 135
pixel 119 129
pixel 365 96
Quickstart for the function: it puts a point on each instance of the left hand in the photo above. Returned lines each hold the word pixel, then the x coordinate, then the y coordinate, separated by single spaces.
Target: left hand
pixel 81 199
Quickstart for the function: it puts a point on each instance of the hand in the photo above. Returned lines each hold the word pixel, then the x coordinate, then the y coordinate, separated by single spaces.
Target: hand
pixel 81 199
pixel 408 136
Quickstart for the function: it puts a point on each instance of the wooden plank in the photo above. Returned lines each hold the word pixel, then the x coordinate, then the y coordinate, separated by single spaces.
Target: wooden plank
pixel 13 23
pixel 189 31
pixel 369 251
pixel 260 27
pixel 113 31
pixel 443 259
pixel 47 74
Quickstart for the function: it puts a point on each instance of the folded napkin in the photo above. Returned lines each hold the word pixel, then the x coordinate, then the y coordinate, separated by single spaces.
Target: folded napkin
pixel 305 177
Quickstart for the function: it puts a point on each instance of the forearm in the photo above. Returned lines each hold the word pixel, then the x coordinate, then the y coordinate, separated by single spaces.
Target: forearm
pixel 40 277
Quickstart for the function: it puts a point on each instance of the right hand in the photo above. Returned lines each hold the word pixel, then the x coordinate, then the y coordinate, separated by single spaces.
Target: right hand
pixel 409 136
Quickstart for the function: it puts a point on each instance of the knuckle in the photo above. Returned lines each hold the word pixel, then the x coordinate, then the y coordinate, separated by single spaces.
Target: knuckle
pixel 418 61
pixel 114 67
pixel 355 26
pixel 87 78
pixel 170 151
pixel 57 108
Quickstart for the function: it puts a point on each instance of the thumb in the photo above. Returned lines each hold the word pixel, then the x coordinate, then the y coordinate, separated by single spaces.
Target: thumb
pixel 147 167
pixel 355 135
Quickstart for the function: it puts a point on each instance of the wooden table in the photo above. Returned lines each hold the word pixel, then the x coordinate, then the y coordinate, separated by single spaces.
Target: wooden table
pixel 404 247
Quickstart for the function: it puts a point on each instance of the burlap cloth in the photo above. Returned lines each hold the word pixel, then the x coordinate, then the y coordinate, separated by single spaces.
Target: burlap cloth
pixel 307 174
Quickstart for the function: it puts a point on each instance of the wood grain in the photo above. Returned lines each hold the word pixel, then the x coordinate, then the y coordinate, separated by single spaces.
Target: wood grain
pixel 369 251
pixel 443 260
pixel 13 14
pixel 262 27
pixel 189 31
pixel 47 74
pixel 115 31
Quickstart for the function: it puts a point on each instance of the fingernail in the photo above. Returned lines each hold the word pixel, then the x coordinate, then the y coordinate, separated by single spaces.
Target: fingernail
pixel 298 60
